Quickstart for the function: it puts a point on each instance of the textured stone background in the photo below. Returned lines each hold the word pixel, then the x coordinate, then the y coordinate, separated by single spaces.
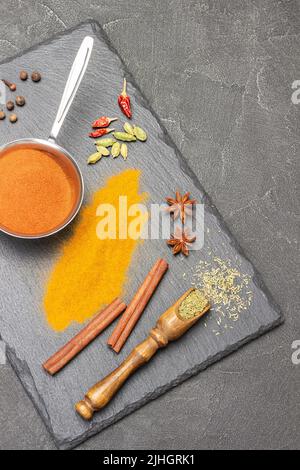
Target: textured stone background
pixel 250 167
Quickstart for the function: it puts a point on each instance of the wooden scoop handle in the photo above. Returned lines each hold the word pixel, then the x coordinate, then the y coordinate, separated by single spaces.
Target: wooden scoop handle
pixel 169 327
pixel 101 394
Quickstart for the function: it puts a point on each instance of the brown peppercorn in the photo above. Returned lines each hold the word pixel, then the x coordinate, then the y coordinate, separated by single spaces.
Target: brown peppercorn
pixel 36 76
pixel 2 115
pixel 10 105
pixel 23 75
pixel 13 118
pixel 11 86
pixel 20 101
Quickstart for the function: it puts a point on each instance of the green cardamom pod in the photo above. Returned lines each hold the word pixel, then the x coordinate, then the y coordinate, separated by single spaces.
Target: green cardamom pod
pixel 103 150
pixel 94 158
pixel 105 142
pixel 124 151
pixel 128 128
pixel 115 150
pixel 140 133
pixel 124 137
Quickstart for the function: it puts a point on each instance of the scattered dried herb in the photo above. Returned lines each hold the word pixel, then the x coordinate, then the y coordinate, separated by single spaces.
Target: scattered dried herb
pixel 103 121
pixel 124 101
pixel 100 132
pixel 181 205
pixel 180 241
pixel 226 288
pixel 123 136
pixel 140 133
pixel 192 305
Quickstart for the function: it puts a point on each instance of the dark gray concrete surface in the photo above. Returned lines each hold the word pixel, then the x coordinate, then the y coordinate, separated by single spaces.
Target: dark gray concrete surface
pixel 251 399
pixel 22 321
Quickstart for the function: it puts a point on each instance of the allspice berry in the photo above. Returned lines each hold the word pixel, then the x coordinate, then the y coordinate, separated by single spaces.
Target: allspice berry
pixel 20 100
pixel 36 76
pixel 13 118
pixel 11 86
pixel 10 105
pixel 23 75
pixel 2 115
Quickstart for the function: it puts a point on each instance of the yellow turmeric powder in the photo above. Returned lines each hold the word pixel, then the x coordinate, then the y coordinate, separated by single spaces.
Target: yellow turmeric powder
pixel 91 271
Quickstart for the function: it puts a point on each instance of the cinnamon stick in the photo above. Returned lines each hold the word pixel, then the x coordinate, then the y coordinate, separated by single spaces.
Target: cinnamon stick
pixel 136 307
pixel 131 307
pixel 101 321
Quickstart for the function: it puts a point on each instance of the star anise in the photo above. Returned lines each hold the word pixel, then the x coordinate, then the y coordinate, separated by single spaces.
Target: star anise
pixel 181 205
pixel 180 241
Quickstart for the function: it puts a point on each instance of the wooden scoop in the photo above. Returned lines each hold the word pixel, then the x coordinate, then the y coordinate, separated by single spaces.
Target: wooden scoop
pixel 170 326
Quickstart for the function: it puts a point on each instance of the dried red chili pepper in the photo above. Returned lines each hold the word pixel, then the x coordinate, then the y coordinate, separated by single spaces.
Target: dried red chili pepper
pixel 124 101
pixel 103 121
pixel 100 132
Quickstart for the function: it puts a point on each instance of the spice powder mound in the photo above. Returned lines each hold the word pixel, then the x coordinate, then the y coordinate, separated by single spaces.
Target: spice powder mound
pixel 37 193
pixel 192 305
pixel 91 272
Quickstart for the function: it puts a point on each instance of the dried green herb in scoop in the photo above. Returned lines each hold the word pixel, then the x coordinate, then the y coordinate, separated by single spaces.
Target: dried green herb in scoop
pixel 192 305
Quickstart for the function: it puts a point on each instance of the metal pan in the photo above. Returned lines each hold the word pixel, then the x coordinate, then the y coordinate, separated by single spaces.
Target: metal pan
pixel 50 146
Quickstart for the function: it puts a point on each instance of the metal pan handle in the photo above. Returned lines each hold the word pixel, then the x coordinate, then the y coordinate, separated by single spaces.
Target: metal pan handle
pixel 77 72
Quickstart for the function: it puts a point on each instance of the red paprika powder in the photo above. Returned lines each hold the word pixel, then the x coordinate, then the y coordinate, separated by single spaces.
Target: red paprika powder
pixel 37 192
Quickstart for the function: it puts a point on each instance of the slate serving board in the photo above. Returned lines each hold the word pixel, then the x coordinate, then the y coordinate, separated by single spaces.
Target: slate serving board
pixel 25 265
